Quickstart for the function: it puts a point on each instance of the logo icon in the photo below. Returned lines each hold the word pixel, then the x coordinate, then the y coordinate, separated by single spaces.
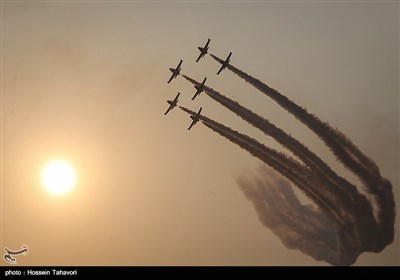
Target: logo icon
pixel 9 253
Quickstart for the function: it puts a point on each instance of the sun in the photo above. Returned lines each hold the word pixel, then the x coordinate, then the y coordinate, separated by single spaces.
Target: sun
pixel 58 177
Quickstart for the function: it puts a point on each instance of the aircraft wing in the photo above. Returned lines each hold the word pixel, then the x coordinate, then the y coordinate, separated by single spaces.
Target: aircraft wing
pixel 192 124
pixel 169 109
pixel 208 41
pixel 199 90
pixel 200 56
pixel 170 79
pixel 179 65
pixel 222 68
pixel 176 98
pixel 195 95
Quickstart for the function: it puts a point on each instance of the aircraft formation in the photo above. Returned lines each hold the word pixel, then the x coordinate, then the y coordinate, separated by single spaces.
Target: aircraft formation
pixel 199 88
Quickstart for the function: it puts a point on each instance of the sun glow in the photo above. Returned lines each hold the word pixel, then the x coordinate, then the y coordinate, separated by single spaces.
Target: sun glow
pixel 58 177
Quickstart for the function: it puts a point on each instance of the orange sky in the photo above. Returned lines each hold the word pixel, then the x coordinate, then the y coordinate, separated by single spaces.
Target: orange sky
pixel 86 81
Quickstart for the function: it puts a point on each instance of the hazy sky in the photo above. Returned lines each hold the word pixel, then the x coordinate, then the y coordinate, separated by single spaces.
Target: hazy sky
pixel 86 81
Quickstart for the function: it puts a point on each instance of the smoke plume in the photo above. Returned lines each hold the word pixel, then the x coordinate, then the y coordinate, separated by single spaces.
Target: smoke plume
pixel 341 223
